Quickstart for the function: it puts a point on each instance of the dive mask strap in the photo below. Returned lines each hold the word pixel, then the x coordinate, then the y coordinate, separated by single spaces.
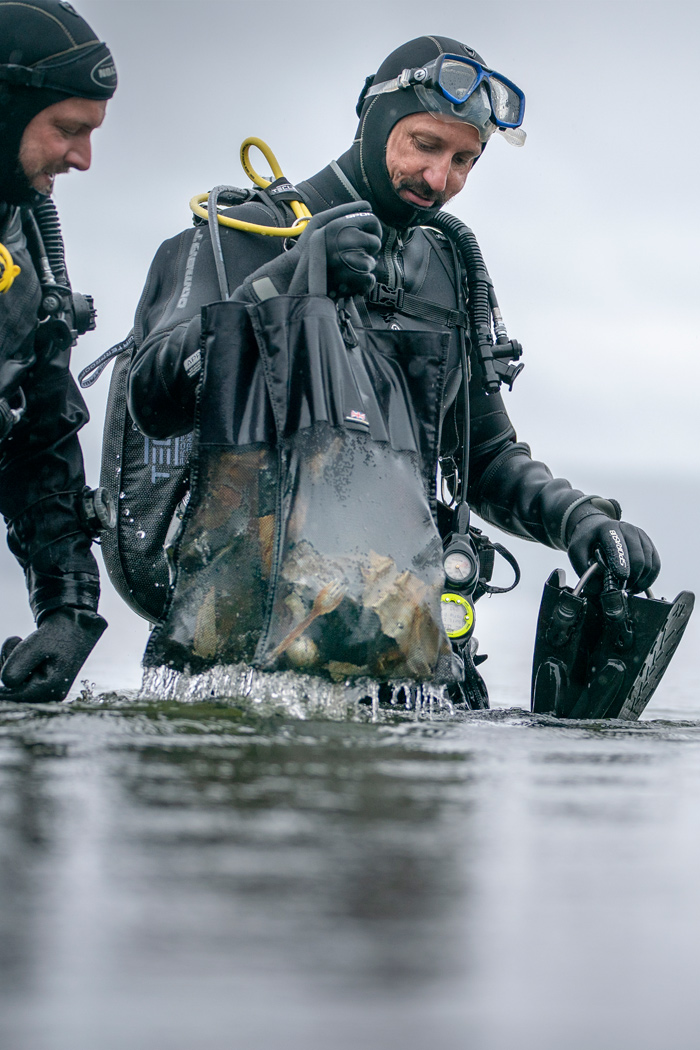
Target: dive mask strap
pixel 23 76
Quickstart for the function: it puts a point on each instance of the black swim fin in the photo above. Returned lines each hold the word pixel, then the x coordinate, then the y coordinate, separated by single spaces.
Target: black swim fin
pixel 602 656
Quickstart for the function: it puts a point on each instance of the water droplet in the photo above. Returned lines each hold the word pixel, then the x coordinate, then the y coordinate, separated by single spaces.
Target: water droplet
pixel 122 495
pixel 141 534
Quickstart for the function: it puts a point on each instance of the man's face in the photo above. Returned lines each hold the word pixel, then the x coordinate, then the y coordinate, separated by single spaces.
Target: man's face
pixel 58 139
pixel 429 157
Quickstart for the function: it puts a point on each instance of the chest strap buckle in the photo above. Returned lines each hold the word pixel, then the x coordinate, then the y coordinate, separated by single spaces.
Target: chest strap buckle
pixel 382 295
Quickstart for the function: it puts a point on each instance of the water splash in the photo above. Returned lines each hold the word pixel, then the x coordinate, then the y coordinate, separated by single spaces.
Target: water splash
pixel 298 695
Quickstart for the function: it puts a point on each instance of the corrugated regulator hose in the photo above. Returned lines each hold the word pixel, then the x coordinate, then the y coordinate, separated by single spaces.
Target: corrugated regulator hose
pixel 478 277
pixel 50 228
pixel 484 311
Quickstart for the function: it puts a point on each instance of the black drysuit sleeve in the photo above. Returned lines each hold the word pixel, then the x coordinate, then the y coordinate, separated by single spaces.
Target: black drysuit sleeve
pixel 507 487
pixel 42 479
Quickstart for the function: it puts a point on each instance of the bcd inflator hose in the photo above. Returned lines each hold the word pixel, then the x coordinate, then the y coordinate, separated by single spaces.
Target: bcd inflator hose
pixel 300 210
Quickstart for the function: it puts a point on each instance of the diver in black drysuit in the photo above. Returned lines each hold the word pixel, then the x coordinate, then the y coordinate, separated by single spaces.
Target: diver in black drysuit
pixel 48 54
pixel 506 487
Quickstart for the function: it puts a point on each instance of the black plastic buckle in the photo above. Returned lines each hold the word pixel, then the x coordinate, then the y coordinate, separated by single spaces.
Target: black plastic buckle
pixel 383 296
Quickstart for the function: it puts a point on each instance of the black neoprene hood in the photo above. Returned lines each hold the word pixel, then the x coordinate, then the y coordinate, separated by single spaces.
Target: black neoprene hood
pixel 47 53
pixel 380 113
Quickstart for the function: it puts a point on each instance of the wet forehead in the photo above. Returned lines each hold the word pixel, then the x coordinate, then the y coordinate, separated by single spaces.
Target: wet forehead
pixel 85 112
pixel 454 133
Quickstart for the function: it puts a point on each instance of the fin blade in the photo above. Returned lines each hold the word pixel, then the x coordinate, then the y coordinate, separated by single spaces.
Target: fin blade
pixel 659 657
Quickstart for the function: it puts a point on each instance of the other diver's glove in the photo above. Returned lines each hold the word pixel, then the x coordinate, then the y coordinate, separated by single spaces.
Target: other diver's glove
pixel 44 665
pixel 625 549
pixel 353 239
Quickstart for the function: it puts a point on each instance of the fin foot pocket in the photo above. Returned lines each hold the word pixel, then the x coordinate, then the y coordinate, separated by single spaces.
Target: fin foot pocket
pixel 550 687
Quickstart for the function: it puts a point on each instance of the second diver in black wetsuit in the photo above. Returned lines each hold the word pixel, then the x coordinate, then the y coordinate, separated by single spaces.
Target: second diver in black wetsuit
pixel 415 146
pixel 55 80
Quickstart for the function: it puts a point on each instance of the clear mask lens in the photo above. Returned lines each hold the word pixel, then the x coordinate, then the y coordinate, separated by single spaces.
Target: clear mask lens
pixel 506 104
pixel 457 79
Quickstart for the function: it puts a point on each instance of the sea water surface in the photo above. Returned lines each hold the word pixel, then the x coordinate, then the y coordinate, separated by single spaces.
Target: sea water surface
pixel 212 875
pixel 238 875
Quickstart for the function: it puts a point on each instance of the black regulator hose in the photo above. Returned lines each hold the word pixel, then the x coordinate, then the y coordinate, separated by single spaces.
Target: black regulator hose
pixel 478 277
pixel 68 314
pixel 229 195
pixel 486 320
pixel 461 492
pixel 50 228
pixel 483 307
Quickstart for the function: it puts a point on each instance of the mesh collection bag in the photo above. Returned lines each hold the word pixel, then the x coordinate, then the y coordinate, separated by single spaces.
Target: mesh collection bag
pixel 309 541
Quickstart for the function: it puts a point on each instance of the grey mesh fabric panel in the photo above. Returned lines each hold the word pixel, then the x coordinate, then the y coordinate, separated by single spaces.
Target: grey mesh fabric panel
pixel 146 480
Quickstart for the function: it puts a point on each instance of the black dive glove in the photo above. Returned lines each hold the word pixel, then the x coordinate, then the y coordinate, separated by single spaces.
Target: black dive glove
pixel 352 239
pixel 44 665
pixel 626 550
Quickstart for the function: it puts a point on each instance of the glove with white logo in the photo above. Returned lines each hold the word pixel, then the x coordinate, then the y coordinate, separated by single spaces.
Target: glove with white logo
pixel 352 239
pixel 625 549
pixel 44 665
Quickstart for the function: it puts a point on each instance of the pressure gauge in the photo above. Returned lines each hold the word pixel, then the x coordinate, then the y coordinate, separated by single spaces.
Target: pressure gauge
pixel 459 566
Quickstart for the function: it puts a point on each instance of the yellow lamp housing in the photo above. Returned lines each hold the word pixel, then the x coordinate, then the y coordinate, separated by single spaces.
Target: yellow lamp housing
pixel 457 615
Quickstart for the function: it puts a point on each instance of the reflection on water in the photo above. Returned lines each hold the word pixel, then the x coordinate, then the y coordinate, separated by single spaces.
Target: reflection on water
pixel 205 876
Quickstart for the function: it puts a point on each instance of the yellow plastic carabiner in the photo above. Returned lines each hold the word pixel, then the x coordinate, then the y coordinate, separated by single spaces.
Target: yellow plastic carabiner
pixel 9 270
pixel 300 210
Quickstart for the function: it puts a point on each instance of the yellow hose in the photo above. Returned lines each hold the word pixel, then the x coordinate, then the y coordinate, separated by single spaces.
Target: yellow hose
pixel 300 210
pixel 8 270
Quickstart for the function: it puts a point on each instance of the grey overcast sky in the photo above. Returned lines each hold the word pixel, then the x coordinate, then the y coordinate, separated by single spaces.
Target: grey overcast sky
pixel 591 231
